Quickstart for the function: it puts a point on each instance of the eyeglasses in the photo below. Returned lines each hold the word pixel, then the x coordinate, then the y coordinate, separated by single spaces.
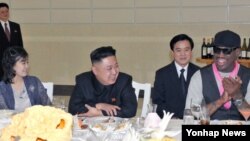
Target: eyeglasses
pixel 225 51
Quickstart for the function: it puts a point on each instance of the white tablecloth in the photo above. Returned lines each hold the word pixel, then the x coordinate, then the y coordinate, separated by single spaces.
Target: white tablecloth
pixel 86 135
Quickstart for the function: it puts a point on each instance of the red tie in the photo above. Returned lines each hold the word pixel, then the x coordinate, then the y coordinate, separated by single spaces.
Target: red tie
pixel 7 32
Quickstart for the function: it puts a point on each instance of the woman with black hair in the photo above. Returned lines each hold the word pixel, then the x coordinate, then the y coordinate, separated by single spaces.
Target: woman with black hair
pixel 18 90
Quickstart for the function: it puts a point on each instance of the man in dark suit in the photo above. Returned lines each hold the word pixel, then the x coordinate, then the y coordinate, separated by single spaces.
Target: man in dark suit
pixel 10 33
pixel 171 81
pixel 104 91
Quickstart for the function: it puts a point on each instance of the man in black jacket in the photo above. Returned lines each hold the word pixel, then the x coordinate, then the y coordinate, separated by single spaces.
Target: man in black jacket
pixel 104 90
pixel 170 87
pixel 10 33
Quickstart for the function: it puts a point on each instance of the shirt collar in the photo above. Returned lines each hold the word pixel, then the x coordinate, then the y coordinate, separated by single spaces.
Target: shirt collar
pixel 2 23
pixel 178 67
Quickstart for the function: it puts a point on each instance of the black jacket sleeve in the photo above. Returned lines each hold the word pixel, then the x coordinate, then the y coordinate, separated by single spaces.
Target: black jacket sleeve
pixel 127 98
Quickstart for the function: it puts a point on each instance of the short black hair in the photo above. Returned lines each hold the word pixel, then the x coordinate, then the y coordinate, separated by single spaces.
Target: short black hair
pixel 2 4
pixel 181 37
pixel 102 52
pixel 10 56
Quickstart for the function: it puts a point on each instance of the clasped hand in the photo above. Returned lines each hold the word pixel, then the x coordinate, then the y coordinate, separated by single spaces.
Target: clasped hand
pixel 111 110
pixel 231 87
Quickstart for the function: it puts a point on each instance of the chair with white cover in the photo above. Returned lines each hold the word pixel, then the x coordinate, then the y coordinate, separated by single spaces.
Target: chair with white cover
pixel 49 86
pixel 146 87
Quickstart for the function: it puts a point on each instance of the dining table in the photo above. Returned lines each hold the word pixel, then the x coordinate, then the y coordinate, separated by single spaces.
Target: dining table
pixel 88 134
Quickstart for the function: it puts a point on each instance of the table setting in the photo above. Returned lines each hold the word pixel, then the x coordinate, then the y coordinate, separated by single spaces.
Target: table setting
pixel 102 128
pixel 105 128
pixel 123 129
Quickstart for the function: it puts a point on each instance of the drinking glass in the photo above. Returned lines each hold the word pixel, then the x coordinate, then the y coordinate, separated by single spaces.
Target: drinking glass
pixel 59 102
pixel 152 108
pixel 138 123
pixel 243 108
pixel 204 117
pixel 195 109
pixel 188 117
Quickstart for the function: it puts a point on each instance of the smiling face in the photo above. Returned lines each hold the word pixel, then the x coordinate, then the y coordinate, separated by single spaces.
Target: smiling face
pixel 182 52
pixel 107 70
pixel 4 14
pixel 21 67
pixel 225 62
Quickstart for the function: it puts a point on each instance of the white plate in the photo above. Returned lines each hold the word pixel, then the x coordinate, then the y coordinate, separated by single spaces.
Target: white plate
pixel 227 122
pixel 108 124
pixel 5 113
pixel 103 120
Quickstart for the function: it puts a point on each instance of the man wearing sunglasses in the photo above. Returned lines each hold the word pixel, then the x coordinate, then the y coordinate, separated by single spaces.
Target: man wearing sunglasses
pixel 224 83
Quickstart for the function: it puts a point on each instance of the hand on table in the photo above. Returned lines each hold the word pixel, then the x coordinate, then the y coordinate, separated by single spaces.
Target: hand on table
pixel 92 111
pixel 111 110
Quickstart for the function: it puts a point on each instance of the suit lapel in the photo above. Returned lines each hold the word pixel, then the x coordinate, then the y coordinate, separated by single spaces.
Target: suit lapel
pixel 12 30
pixel 3 33
pixel 9 97
pixel 174 75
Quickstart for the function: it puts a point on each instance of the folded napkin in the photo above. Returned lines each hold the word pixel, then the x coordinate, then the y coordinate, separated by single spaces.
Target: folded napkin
pixel 160 131
pixel 131 135
pixel 152 120
pixel 165 120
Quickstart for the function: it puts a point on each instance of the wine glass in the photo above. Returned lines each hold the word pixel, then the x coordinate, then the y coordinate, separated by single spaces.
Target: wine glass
pixel 152 108
pixel 188 117
pixel 243 108
pixel 60 102
pixel 195 109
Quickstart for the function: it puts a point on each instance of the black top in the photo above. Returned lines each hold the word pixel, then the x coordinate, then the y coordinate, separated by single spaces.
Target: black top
pixel 88 90
pixel 167 92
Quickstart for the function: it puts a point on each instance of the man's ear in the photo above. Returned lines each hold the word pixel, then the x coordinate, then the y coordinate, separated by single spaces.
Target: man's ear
pixel 171 54
pixel 93 68
pixel 238 52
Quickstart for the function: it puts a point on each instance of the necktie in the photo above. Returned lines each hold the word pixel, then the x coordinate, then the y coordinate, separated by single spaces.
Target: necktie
pixel 7 32
pixel 183 82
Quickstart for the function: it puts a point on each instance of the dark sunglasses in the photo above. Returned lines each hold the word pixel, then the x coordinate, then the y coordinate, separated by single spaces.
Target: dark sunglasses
pixel 225 51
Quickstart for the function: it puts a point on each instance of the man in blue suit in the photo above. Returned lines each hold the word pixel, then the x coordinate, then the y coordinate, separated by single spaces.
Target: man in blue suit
pixel 10 33
pixel 171 81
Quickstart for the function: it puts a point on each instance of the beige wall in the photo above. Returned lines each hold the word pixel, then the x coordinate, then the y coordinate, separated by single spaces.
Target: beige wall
pixel 60 34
